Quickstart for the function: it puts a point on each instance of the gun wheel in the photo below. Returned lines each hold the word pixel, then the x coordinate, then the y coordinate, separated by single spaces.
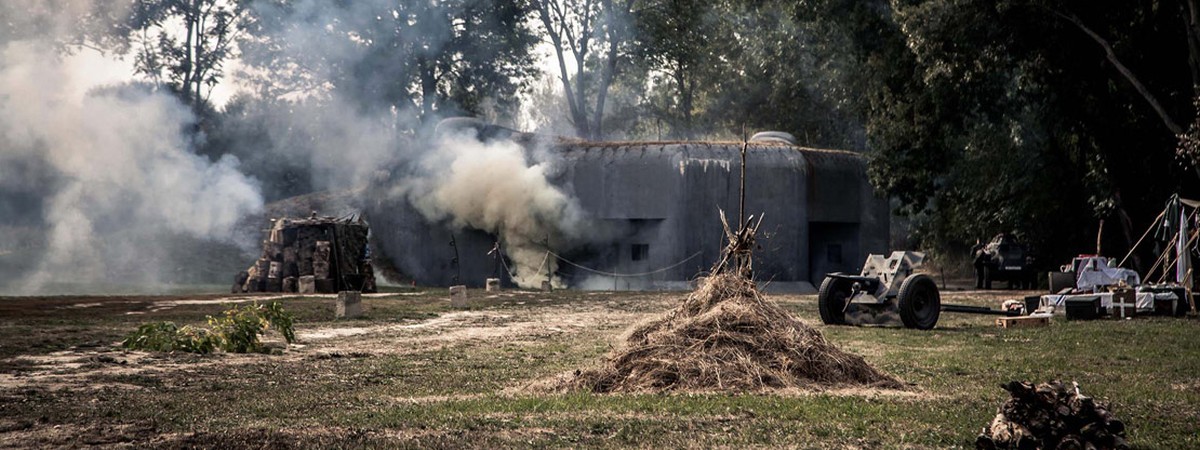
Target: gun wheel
pixel 831 300
pixel 919 302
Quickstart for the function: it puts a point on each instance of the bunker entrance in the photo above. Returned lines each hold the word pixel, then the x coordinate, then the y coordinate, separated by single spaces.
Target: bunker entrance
pixel 832 247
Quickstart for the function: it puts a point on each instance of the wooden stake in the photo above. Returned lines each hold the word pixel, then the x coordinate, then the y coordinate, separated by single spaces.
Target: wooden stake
pixel 1188 289
pixel 742 189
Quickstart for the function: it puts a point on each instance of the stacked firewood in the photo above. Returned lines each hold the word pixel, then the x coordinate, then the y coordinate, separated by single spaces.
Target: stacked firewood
pixel 307 255
pixel 1051 416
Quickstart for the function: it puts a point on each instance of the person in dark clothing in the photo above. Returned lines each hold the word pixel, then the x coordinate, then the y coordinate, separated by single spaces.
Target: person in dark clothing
pixel 979 257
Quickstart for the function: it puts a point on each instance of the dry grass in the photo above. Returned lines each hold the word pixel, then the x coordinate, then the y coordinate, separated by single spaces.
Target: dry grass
pixel 726 337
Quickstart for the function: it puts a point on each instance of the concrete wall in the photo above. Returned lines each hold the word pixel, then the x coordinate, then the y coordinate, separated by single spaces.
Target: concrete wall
pixel 659 202
pixel 678 187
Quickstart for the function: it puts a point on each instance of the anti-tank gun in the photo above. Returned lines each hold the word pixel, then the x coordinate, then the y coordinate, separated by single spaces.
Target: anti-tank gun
pixel 891 284
pixel 885 283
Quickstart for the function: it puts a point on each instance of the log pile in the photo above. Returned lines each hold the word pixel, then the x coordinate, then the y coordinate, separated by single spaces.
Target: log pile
pixel 314 254
pixel 1051 416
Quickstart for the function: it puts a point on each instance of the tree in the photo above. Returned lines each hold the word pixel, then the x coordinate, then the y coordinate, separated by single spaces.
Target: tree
pixel 574 26
pixel 431 58
pixel 190 67
pixel 986 117
pixel 763 71
pixel 673 40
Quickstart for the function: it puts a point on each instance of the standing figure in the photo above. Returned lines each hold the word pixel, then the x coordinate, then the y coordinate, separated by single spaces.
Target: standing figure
pixel 980 259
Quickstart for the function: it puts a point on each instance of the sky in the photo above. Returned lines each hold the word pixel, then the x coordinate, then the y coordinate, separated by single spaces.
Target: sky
pixel 95 69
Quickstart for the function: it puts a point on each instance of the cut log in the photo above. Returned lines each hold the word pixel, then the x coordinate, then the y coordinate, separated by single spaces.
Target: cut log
pixel 1052 416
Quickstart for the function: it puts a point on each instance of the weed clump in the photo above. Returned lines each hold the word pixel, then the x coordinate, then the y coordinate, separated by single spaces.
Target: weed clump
pixel 727 337
pixel 236 330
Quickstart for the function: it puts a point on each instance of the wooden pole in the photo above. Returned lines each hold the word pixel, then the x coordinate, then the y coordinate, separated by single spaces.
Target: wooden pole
pixel 549 273
pixel 1099 234
pixel 742 189
pixel 1188 289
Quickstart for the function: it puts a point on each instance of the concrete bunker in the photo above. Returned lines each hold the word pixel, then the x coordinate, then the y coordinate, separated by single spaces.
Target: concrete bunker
pixel 653 207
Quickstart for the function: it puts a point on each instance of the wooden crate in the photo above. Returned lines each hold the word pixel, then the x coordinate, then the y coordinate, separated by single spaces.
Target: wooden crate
pixel 1023 321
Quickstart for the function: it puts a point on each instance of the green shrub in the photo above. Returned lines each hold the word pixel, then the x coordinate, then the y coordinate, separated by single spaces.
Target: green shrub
pixel 166 336
pixel 236 330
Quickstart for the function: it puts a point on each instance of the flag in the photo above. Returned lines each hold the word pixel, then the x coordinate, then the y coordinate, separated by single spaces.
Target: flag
pixel 1181 250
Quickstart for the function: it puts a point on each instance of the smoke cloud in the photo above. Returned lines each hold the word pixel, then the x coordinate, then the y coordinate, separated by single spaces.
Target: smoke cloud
pixel 108 186
pixel 454 178
pixel 112 183
pixel 499 187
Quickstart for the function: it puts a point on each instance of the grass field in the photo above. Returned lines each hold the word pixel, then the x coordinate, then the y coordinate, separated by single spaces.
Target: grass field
pixel 416 373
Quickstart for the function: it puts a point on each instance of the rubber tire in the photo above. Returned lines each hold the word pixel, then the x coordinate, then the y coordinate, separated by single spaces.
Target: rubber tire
pixel 919 302
pixel 831 300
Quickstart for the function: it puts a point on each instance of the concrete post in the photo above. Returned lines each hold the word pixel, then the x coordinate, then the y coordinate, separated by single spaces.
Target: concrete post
pixel 458 297
pixel 349 304
pixel 307 284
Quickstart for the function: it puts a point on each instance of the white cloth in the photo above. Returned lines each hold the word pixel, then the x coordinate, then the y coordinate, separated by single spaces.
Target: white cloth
pixel 1183 253
pixel 1095 273
pixel 1144 300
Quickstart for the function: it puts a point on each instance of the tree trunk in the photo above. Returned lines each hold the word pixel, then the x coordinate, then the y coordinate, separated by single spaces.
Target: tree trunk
pixel 1127 230
pixel 428 87
pixel 585 35
pixel 687 87
pixel 1192 26
pixel 189 60
pixel 1176 130
pixel 579 119
pixel 198 76
pixel 610 65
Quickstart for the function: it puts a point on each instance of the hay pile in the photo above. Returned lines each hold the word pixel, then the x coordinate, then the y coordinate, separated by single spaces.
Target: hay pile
pixel 726 337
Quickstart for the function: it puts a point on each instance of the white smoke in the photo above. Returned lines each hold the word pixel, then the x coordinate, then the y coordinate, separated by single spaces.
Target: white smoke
pixel 122 183
pixel 498 187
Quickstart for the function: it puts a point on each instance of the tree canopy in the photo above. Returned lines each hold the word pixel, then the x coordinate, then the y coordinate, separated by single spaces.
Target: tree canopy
pixel 1039 117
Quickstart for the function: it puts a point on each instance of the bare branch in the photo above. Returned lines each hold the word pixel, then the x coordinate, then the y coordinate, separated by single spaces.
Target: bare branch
pixel 1128 74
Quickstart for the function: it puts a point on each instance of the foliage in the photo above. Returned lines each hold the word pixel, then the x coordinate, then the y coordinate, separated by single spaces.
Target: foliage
pixel 673 41
pixel 431 58
pixel 190 64
pixel 167 337
pixel 597 35
pixel 235 330
pixel 1007 116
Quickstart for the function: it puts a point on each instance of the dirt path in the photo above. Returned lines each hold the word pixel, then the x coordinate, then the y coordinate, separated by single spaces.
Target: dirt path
pixel 80 368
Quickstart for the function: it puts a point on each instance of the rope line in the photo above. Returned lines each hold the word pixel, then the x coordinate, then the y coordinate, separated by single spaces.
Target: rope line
pixel 1166 268
pixel 543 265
pixel 1153 224
pixel 507 270
pixel 624 275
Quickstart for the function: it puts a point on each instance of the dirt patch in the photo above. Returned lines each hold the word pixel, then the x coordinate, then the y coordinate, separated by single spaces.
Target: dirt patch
pixel 89 368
